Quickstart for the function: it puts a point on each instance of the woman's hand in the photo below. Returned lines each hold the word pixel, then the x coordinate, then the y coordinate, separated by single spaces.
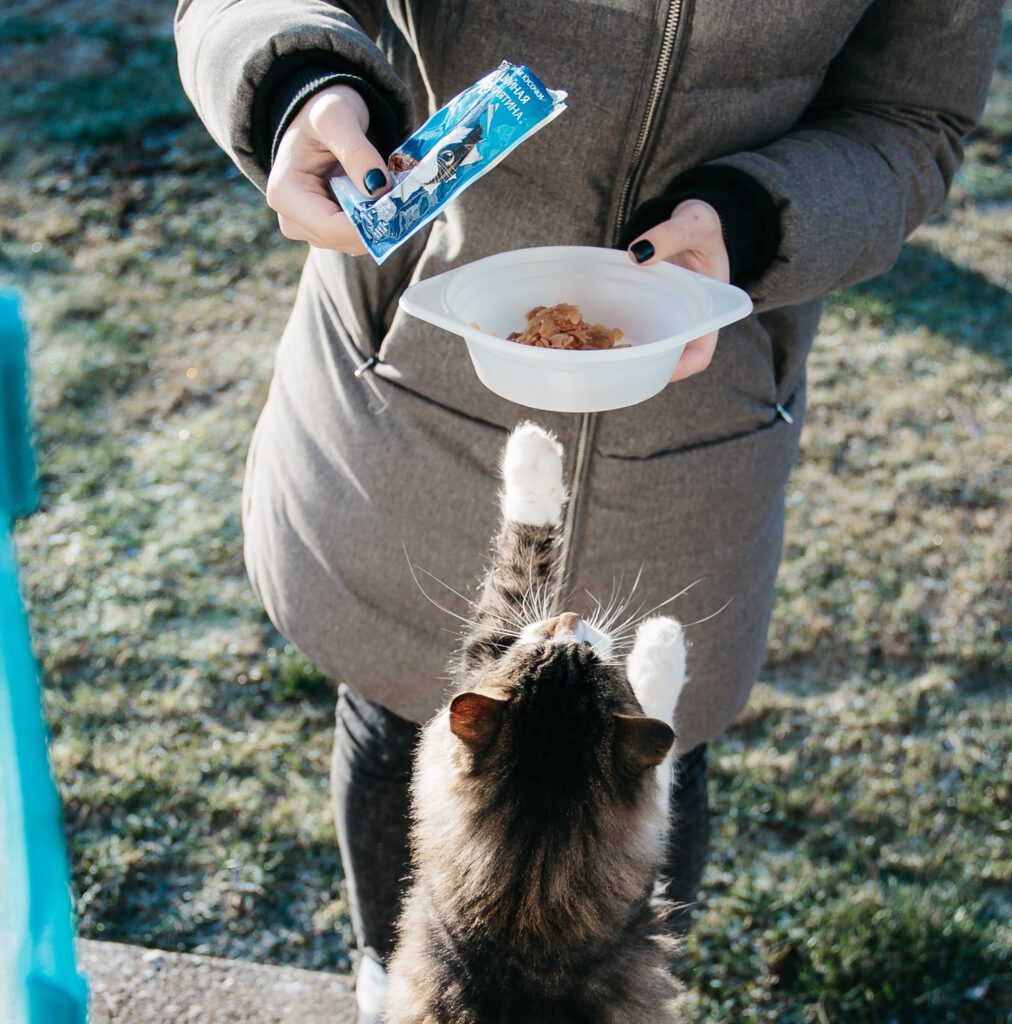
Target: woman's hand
pixel 326 138
pixel 692 238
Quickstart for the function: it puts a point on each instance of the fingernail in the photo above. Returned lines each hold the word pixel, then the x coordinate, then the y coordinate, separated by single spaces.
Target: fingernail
pixel 641 250
pixel 374 180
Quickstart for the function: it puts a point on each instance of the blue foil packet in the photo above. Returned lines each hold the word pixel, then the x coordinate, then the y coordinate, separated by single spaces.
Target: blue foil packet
pixel 455 147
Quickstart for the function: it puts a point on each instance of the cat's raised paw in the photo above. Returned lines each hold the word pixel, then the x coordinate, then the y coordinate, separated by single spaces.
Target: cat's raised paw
pixel 532 472
pixel 656 666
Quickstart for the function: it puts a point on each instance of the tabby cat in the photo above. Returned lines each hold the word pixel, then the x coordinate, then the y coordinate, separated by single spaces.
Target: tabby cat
pixel 540 801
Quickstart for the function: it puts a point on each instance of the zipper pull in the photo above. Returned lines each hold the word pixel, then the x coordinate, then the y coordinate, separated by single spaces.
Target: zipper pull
pixel 784 414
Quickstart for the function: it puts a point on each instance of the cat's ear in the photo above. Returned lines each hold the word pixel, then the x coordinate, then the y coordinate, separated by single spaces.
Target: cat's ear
pixel 642 742
pixel 475 717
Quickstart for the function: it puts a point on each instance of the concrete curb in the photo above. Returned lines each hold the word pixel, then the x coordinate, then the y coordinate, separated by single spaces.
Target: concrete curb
pixel 132 985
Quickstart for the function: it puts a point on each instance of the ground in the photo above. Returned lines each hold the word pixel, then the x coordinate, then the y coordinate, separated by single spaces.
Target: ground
pixel 861 861
pixel 133 985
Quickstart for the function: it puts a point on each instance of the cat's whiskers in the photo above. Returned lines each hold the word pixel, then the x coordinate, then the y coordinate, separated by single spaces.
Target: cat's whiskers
pixel 501 625
pixel 624 644
pixel 634 620
pixel 527 608
pixel 535 601
pixel 443 583
pixel 535 607
pixel 712 615
pixel 617 630
pixel 469 622
pixel 623 606
pixel 602 613
pixel 599 608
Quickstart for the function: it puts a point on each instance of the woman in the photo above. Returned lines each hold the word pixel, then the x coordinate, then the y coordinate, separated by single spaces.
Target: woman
pixel 789 147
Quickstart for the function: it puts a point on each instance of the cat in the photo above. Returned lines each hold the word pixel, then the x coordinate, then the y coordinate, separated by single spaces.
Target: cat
pixel 539 799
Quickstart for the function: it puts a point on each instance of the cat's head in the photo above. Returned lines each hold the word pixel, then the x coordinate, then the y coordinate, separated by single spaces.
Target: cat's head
pixel 555 721
pixel 540 800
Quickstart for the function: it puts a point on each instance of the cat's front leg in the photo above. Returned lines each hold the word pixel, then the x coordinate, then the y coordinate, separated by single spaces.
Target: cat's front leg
pixel 517 588
pixel 532 500
pixel 656 671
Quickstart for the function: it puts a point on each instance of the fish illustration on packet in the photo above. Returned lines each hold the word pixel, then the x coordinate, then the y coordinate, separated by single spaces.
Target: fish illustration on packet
pixel 457 145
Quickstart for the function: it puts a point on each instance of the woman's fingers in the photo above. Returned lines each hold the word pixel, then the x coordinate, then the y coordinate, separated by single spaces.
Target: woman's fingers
pixel 294 231
pixel 695 356
pixel 339 118
pixel 326 138
pixel 691 237
pixel 307 214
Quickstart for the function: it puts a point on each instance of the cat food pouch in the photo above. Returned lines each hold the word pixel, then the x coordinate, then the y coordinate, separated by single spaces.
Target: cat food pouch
pixel 455 147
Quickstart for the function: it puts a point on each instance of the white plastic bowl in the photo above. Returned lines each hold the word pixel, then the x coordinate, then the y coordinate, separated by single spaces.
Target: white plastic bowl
pixel 658 308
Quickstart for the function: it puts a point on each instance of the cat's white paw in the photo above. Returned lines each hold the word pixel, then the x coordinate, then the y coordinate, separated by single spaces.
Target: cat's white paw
pixel 532 472
pixel 656 666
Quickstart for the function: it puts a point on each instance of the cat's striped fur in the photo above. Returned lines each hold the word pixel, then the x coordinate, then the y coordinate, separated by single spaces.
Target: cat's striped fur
pixel 538 831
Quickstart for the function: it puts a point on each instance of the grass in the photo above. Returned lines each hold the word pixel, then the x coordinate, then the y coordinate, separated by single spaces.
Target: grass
pixel 127 83
pixel 861 861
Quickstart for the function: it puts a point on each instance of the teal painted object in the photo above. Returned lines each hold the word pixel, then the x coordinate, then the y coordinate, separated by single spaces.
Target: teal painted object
pixel 39 983
pixel 17 463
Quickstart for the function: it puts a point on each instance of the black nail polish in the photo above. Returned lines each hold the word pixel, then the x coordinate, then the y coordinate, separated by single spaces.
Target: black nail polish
pixel 641 250
pixel 374 180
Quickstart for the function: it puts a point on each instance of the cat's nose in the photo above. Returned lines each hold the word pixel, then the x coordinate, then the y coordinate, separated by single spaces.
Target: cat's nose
pixel 562 625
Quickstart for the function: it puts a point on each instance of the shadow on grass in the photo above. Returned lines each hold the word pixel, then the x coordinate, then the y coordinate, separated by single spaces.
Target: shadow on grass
pixel 823 925
pixel 890 952
pixel 926 289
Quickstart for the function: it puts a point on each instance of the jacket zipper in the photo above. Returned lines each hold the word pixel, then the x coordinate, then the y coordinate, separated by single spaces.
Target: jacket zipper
pixel 581 464
pixel 653 99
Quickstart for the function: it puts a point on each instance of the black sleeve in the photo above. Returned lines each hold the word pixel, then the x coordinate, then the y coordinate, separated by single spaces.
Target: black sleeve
pixel 294 80
pixel 748 216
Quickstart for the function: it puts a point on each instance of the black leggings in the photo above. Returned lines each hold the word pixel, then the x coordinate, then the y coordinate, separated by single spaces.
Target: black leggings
pixel 370 772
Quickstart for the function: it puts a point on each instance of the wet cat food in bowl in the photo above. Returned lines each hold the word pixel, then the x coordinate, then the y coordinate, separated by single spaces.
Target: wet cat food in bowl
pixel 659 309
pixel 562 326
